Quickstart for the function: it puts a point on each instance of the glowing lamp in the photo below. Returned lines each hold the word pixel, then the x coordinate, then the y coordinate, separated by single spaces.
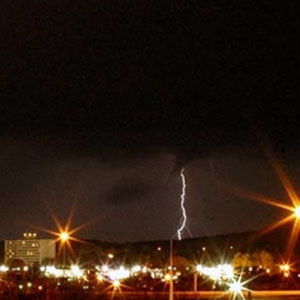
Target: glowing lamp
pixel 285 267
pixel 116 283
pixel 297 212
pixel 99 277
pixel 168 277
pixel 236 287
pixel 199 268
pixel 64 236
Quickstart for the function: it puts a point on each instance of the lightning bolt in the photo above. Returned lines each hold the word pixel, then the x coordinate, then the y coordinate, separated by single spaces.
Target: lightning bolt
pixel 184 216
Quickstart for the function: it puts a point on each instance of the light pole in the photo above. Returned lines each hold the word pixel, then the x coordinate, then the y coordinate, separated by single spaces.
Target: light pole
pixel 64 237
pixel 171 291
pixel 195 282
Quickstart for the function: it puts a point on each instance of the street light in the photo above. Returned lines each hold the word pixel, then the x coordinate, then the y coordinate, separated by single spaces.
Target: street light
pixel 64 236
pixel 297 212
pixel 171 287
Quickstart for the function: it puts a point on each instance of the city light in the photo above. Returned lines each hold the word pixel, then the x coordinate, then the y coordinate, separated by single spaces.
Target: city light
pixel 100 277
pixel 3 268
pixel 198 268
pixel 167 277
pixel 64 236
pixel 76 272
pixel 297 212
pixel 116 283
pixel 51 271
pixel 236 289
pixel 284 267
pixel 118 274
pixel 136 269
pixel 105 268
pixel 222 272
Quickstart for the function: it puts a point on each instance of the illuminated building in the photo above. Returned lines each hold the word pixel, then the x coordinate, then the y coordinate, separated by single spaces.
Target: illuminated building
pixel 30 249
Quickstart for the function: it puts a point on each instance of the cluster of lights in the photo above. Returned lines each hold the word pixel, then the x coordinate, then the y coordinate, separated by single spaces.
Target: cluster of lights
pixel 4 269
pixel 29 285
pixel 259 268
pixel 74 272
pixel 119 273
pixel 222 272
pixel 167 277
pixel 116 275
pixel 29 235
pixel 285 268
pixel 157 273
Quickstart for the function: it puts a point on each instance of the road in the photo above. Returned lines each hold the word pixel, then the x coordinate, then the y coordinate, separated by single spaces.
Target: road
pixel 201 295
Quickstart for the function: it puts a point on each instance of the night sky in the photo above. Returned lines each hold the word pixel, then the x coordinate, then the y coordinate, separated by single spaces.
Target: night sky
pixel 103 102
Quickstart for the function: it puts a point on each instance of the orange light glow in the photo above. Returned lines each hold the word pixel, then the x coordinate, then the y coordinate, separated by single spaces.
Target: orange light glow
pixel 284 267
pixel 64 236
pixel 116 283
pixel 293 208
pixel 297 212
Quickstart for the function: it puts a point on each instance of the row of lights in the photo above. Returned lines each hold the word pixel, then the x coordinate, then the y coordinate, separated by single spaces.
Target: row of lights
pixel 29 285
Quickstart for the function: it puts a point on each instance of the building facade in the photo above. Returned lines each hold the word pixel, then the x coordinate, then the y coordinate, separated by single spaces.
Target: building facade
pixel 30 249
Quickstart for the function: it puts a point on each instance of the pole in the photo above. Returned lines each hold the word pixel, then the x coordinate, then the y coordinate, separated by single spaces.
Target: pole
pixel 171 291
pixel 31 271
pixel 195 282
pixel 64 257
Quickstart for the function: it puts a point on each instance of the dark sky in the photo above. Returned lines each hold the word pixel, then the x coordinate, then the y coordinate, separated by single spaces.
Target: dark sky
pixel 103 102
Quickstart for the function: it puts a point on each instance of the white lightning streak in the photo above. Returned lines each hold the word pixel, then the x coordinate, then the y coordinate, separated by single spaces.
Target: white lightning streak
pixel 184 216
